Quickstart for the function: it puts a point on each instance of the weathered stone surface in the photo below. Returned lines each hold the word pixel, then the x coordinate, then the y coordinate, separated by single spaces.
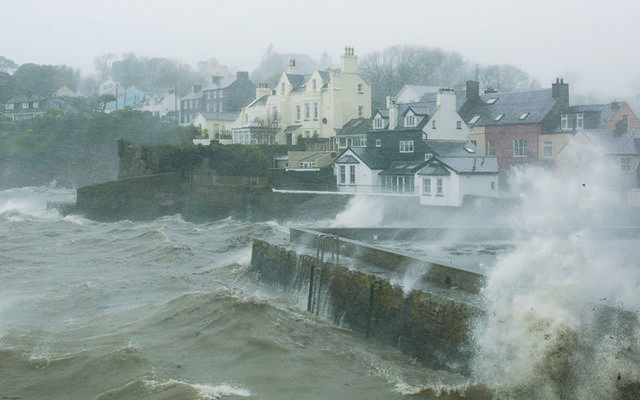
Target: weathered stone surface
pixel 428 326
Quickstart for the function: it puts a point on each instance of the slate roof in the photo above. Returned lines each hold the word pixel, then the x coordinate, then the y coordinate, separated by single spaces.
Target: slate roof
pixel 224 116
pixel 325 75
pixel 297 81
pixel 223 83
pixel 347 159
pixel 471 164
pixel 403 168
pixel 614 143
pixel 259 102
pixel 446 148
pixel 434 168
pixel 512 105
pixel 606 112
pixel 355 126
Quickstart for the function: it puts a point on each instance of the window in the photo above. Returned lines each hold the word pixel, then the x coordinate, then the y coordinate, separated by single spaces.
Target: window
pixel 625 164
pixel 378 142
pixel 475 143
pixel 499 117
pixel 36 104
pixel 433 124
pixel 25 105
pixel 547 148
pixel 313 84
pixel 307 111
pixel 359 111
pixel 315 111
pixel 474 119
pixel 308 164
pixel 221 93
pixel 342 175
pixel 220 108
pixel 377 122
pixel 216 129
pixel 520 148
pixel 426 186
pixel 439 187
pixel 564 122
pixel 315 133
pixel 215 94
pixel 524 116
pixel 359 87
pixel 307 134
pixel 579 121
pixel 410 120
pixel 458 124
pixel 406 146
pixel 282 88
pixel 274 111
pixel 298 112
pixel 352 174
pixel 491 148
pixel 8 106
pixel 428 156
pixel 493 185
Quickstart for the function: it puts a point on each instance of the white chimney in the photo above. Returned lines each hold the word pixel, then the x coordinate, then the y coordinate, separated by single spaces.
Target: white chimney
pixel 292 69
pixel 392 106
pixel 262 90
pixel 349 61
pixel 446 100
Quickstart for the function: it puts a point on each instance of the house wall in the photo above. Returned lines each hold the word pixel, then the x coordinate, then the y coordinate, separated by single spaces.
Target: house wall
pixel 477 134
pixel 450 190
pixel 558 140
pixel 503 137
pixel 478 185
pixel 446 119
pixel 366 179
pixel 634 122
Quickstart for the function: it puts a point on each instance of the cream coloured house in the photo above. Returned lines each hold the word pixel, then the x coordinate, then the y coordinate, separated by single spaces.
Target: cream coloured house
pixel 305 105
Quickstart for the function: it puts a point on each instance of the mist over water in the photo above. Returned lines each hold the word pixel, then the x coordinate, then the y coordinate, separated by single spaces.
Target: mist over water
pixel 562 308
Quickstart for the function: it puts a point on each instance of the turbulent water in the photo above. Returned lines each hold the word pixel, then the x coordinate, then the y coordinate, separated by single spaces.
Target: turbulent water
pixel 168 309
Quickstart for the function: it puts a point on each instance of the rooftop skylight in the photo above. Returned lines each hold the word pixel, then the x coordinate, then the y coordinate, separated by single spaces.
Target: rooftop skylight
pixel 493 100
pixel 524 115
pixel 474 119
pixel 499 117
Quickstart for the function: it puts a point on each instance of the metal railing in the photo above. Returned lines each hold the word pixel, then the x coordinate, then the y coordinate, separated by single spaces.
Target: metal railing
pixel 315 274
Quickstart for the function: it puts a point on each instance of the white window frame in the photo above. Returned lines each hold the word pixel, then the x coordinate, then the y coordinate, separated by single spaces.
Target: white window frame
pixel 439 187
pixel 9 106
pixel 352 175
pixel 580 121
pixel 307 111
pixel 298 112
pixel 520 148
pixel 410 120
pixel 25 106
pixel 377 122
pixel 625 164
pixel 36 104
pixel 564 122
pixel 426 186
pixel 491 148
pixel 342 176
pixel 378 142
pixel 406 146
pixel 315 111
pixel 547 148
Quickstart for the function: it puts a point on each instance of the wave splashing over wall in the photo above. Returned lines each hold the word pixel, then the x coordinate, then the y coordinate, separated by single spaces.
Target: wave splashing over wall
pixel 562 308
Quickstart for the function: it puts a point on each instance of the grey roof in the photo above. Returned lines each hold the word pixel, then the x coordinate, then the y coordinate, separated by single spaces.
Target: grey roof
pixel 447 148
pixel 325 75
pixel 292 128
pixel 434 168
pixel 21 98
pixel 259 102
pixel 347 159
pixel 606 111
pixel 355 126
pixel 374 158
pixel 383 112
pixel 472 164
pixel 296 80
pixel 512 105
pixel 612 143
pixel 403 168
pixel 224 116
pixel 192 96
pixel 314 156
pixel 222 83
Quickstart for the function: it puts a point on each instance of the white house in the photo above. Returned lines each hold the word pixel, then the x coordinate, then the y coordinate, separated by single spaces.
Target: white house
pixel 424 151
pixel 307 106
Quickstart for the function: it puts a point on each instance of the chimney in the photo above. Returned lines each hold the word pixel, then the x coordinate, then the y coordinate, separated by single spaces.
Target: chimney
pixel 349 61
pixel 392 106
pixel 473 89
pixel 242 75
pixel 446 100
pixel 195 88
pixel 262 90
pixel 292 69
pixel 560 91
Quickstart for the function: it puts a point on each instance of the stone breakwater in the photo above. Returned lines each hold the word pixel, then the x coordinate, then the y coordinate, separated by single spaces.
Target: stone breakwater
pixel 428 325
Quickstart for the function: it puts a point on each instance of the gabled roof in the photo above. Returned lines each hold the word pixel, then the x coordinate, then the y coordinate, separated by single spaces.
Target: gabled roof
pixel 347 159
pixel 613 143
pixel 434 168
pixel 507 108
pixel 355 126
pixel 259 102
pixel 224 116
pixel 384 113
pixel 403 168
pixel 296 80
pixel 325 75
pixel 221 84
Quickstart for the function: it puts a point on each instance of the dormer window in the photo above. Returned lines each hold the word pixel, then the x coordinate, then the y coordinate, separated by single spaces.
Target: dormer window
pixel 409 120
pixel 564 122
pixel 406 146
pixel 493 100
pixel 579 121
pixel 377 122
pixel 474 119
pixel 428 156
pixel 499 117
pixel 524 116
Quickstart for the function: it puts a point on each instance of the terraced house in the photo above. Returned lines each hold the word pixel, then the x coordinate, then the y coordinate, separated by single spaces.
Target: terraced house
pixel 305 106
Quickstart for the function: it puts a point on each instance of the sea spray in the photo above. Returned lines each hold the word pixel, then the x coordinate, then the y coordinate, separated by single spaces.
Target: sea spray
pixel 540 338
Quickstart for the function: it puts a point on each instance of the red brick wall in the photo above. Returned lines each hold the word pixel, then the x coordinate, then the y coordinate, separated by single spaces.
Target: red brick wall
pixel 503 137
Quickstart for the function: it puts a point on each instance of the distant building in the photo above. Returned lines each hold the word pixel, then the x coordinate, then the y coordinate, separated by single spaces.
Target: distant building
pixel 127 98
pixel 160 104
pixel 305 106
pixel 420 149
pixel 30 105
pixel 222 95
pixel 215 126
pixel 110 86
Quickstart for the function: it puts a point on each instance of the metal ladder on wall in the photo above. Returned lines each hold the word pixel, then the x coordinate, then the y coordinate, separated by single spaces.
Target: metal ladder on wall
pixel 315 274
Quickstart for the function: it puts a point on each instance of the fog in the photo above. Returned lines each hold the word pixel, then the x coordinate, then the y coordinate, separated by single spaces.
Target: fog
pixel 589 41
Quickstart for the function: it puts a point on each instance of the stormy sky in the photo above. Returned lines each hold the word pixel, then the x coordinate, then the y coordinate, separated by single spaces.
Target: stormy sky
pixel 593 42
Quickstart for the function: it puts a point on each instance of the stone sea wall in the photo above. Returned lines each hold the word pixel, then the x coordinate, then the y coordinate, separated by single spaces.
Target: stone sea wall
pixel 429 326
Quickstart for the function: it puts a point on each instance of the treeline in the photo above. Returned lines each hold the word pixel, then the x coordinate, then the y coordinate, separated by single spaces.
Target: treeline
pixel 39 79
pixel 76 149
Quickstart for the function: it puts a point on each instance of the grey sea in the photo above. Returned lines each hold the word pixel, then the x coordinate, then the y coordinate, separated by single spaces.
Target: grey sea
pixel 168 309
